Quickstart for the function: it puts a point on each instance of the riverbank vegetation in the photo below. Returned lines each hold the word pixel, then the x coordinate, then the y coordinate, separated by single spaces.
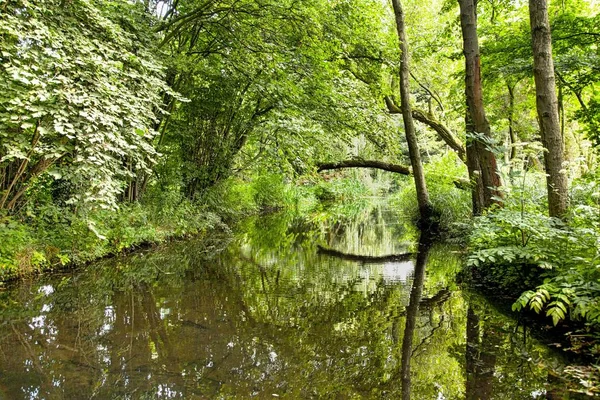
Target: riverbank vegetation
pixel 127 122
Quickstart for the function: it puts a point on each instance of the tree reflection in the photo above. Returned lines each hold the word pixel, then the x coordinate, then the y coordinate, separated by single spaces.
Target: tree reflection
pixel 480 358
pixel 271 314
pixel 412 312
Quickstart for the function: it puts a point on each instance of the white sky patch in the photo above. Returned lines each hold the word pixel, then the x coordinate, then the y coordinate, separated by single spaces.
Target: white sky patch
pixel 162 7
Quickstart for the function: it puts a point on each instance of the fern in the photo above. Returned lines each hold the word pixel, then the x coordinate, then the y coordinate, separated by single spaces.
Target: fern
pixel 554 300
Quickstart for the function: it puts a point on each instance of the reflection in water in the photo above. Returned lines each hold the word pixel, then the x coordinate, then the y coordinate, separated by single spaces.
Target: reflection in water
pixel 480 358
pixel 412 311
pixel 272 315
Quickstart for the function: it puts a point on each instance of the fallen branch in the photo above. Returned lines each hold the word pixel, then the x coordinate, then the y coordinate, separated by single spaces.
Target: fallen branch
pixel 358 163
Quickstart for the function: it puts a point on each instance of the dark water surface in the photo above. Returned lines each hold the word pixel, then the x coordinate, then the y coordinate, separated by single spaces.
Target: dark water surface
pixel 282 308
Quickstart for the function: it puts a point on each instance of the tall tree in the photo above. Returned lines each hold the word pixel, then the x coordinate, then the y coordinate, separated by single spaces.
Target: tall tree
pixel 547 107
pixel 409 126
pixel 481 161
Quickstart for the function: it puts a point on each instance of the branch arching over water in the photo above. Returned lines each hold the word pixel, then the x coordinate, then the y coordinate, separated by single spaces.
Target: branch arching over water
pixel 359 163
pixel 443 131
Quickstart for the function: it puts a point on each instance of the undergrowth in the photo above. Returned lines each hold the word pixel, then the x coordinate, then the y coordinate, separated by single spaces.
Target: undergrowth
pixel 54 237
pixel 451 204
pixel 553 264
pixel 47 236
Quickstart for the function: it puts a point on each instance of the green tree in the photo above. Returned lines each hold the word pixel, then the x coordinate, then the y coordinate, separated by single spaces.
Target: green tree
pixel 481 161
pixel 409 127
pixel 79 91
pixel 547 108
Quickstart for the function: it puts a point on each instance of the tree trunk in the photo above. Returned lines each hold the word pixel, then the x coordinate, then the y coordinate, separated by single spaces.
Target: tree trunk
pixel 477 195
pixel 484 172
pixel 409 126
pixel 511 121
pixel 547 107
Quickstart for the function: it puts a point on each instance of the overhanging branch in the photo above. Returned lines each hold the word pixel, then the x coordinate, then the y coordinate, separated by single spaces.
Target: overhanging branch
pixel 358 163
pixel 460 183
pixel 446 134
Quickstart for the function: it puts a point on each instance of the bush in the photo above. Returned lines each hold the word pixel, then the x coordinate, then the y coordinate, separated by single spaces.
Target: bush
pixel 231 198
pixel 519 246
pixel 342 190
pixel 14 237
pixel 56 236
pixel 514 248
pixel 269 192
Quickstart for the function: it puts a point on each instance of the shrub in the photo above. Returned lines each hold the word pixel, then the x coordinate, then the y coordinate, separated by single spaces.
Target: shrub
pixel 451 205
pixel 519 247
pixel 231 198
pixel 14 238
pixel 269 192
pixel 56 236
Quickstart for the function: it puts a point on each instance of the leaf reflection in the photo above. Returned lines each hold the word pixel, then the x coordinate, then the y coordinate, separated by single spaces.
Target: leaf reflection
pixel 288 306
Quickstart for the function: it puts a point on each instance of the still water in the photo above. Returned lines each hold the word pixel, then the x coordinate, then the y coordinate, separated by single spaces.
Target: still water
pixel 284 307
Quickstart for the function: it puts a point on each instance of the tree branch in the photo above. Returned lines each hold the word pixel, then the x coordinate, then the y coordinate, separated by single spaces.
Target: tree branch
pixel 443 132
pixel 459 183
pixel 358 163
pixel 434 96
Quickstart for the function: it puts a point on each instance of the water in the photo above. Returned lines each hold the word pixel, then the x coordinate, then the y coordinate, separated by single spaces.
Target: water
pixel 285 307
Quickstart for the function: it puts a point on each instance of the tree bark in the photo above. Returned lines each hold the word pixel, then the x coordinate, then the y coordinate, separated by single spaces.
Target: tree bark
pixel 511 121
pixel 460 183
pixel 425 207
pixel 443 131
pixel 547 108
pixel 357 163
pixel 474 169
pixel 483 169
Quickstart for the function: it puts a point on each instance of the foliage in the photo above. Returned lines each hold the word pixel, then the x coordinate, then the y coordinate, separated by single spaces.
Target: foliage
pixel 79 92
pixel 518 247
pixel 99 153
pixel 273 86
pixel 574 290
pixel 344 190
pixel 508 238
pixel 269 191
pixel 451 204
pixel 55 237
pixel 231 198
pixel 14 238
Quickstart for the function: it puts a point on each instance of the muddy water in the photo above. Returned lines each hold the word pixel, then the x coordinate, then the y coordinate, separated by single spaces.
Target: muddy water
pixel 284 307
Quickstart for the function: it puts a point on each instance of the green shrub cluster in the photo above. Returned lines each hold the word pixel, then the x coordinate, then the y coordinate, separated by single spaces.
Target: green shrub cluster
pixel 55 236
pixel 269 192
pixel 343 189
pixel 47 236
pixel 556 263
